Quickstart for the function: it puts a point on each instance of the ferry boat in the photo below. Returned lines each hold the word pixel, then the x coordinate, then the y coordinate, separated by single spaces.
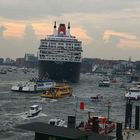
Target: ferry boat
pixel 104 125
pixel 59 91
pixel 60 55
pixel 57 122
pixel 34 110
pixel 33 86
pixel 104 83
pixel 133 93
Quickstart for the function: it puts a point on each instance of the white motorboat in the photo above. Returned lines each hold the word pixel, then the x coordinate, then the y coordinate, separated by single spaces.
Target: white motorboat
pixel 137 84
pixel 104 83
pixel 57 122
pixel 33 86
pixel 133 93
pixel 3 71
pixel 96 98
pixel 34 110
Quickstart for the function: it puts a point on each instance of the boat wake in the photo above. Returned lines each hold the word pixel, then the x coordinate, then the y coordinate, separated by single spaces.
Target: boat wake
pixel 23 115
pixel 4 92
pixel 17 114
pixel 49 100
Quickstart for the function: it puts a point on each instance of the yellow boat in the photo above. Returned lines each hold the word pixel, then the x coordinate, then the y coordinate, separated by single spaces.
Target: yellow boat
pixel 58 91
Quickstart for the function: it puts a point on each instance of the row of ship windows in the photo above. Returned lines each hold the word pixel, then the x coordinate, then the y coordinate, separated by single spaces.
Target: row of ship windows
pixel 61 59
pixel 75 60
pixel 54 44
pixel 63 55
pixel 60 47
pixel 60 52
pixel 70 58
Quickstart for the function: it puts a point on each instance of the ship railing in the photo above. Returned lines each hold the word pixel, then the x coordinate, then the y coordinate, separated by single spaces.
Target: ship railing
pixel 55 48
pixel 64 58
pixel 61 55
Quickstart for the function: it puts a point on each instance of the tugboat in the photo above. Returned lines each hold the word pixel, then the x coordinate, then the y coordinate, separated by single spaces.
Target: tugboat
pixel 59 91
pixel 104 125
pixel 34 110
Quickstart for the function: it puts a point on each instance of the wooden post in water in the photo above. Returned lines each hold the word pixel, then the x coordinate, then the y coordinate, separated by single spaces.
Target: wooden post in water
pixel 119 135
pixel 137 115
pixel 128 114
pixel 109 106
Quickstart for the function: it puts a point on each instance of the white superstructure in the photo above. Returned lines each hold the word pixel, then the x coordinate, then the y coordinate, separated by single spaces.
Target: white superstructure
pixel 33 86
pixel 60 46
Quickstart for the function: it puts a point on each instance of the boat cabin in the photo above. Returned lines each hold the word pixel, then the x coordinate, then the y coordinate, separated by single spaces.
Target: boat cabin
pixel 34 107
pixel 34 110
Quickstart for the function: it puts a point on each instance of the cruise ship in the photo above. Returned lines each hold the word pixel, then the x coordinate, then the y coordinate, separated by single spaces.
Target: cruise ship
pixel 60 55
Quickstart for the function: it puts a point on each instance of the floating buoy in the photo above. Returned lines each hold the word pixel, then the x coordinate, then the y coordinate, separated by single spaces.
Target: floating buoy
pixel 82 105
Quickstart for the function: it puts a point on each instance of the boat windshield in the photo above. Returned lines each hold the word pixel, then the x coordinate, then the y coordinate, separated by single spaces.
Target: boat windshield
pixel 33 108
pixel 134 90
pixel 40 84
pixel 52 122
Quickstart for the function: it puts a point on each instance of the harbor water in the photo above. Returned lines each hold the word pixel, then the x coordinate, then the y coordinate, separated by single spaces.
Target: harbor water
pixel 14 105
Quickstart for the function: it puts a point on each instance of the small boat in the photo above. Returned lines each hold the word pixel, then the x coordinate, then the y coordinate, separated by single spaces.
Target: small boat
pixel 3 71
pixel 96 98
pixel 33 86
pixel 137 84
pixel 104 83
pixel 59 91
pixel 104 125
pixel 133 93
pixel 9 69
pixel 34 110
pixel 122 85
pixel 57 122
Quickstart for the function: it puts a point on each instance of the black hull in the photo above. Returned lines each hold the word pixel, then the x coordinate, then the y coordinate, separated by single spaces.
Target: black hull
pixel 69 71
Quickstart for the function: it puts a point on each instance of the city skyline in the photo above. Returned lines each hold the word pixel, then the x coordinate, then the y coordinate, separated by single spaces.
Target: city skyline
pixel 108 30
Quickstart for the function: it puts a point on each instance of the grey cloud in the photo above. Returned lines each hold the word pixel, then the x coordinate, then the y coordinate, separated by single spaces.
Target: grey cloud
pixel 30 41
pixel 28 44
pixel 2 29
pixel 29 33
pixel 110 10
pixel 39 8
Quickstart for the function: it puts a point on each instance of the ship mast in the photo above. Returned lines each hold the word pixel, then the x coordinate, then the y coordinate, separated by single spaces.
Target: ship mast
pixel 54 31
pixel 68 31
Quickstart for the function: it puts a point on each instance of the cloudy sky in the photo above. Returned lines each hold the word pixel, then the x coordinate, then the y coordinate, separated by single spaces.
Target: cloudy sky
pixel 109 29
